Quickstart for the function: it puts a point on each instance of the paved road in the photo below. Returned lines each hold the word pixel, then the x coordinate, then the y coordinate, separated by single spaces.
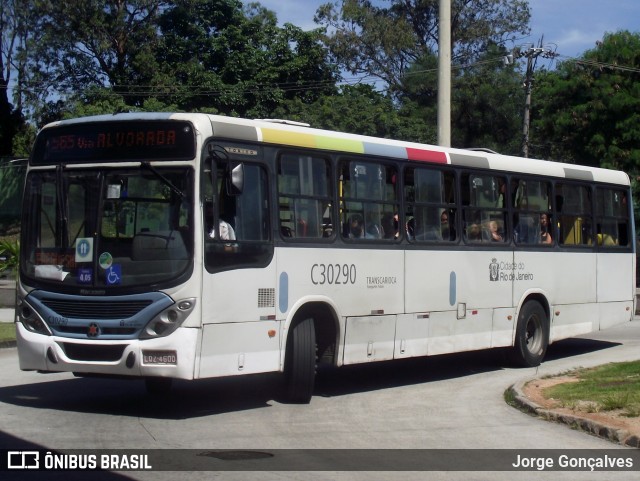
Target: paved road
pixel 442 402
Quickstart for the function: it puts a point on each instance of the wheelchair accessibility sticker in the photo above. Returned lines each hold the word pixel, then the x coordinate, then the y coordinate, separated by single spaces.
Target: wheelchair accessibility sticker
pixel 113 275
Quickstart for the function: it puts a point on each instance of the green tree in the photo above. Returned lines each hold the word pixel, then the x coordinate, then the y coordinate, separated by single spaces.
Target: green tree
pixel 487 104
pixel 83 44
pixel 13 18
pixel 588 110
pixel 216 55
pixel 486 100
pixel 194 55
pixel 385 42
pixel 359 109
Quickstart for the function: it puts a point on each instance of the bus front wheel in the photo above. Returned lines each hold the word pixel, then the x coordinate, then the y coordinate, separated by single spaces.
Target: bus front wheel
pixel 532 335
pixel 300 362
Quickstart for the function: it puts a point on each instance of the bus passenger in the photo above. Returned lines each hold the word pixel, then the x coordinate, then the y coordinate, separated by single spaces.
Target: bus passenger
pixel 473 232
pixel 444 226
pixel 545 227
pixel 356 228
pixel 226 231
pixel 390 226
pixel 494 232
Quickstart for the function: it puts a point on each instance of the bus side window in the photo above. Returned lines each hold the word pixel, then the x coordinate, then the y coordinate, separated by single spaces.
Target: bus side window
pixel 429 196
pixel 612 217
pixel 574 208
pixel 531 204
pixel 304 197
pixel 368 200
pixel 246 241
pixel 484 208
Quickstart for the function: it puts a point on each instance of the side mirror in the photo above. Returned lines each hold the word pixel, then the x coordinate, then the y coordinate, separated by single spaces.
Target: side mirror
pixel 235 179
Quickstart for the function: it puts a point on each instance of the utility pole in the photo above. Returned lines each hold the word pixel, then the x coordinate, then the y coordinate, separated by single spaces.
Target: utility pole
pixel 444 74
pixel 532 54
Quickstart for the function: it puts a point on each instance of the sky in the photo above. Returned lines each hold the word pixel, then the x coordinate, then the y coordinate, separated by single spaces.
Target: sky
pixel 569 26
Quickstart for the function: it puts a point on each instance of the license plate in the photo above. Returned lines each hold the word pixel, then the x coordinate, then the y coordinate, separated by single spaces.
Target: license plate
pixel 159 357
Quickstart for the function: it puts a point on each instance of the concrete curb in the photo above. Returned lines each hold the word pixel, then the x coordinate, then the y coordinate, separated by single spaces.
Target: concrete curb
pixel 601 430
pixel 7 344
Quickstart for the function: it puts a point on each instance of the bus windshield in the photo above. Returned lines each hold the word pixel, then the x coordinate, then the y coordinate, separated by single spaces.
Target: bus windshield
pixel 109 228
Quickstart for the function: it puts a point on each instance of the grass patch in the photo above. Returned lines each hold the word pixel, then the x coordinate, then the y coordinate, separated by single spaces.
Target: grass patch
pixel 7 331
pixel 610 387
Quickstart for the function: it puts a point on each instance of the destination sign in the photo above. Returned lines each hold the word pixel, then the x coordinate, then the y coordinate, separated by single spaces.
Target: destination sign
pixel 116 141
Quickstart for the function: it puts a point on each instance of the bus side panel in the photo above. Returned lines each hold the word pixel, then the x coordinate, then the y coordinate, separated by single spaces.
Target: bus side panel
pixel 567 280
pixel 240 348
pixel 612 313
pixel 412 333
pixel 361 282
pixel 440 280
pixel 467 334
pixel 564 277
pixel 572 320
pixel 240 334
pixel 369 338
pixel 616 288
pixel 240 295
pixel 615 276
pixel 457 293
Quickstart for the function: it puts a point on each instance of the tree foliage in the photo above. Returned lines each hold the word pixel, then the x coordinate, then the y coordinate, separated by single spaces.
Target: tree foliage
pixel 193 55
pixel 236 61
pixel 386 41
pixel 588 111
pixel 85 44
pixel 361 109
pixel 13 25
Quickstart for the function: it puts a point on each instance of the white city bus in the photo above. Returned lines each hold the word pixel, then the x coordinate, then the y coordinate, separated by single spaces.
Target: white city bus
pixel 189 246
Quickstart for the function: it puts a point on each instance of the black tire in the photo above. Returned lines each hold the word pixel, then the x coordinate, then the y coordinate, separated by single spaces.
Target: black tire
pixel 158 385
pixel 532 335
pixel 300 363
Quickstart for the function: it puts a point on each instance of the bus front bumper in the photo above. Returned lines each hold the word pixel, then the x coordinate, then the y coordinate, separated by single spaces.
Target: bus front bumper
pixel 172 356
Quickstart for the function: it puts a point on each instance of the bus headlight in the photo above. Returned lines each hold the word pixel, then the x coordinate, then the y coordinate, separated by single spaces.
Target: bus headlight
pixel 30 319
pixel 168 320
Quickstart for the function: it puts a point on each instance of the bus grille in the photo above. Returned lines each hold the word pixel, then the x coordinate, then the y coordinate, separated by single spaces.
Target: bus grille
pixel 76 309
pixel 105 331
pixel 93 352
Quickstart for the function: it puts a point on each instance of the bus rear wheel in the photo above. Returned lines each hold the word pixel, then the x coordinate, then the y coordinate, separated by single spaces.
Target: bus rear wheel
pixel 300 362
pixel 532 335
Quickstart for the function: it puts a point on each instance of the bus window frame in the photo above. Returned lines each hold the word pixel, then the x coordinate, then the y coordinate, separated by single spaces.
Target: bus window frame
pixel 454 206
pixel 550 211
pixel 558 214
pixel 343 219
pixel 505 210
pixel 331 197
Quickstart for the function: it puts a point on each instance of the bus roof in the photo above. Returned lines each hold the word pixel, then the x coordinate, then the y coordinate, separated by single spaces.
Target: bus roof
pixel 294 134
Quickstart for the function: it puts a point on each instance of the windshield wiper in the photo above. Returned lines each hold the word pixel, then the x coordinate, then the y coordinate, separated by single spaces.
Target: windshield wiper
pixel 164 180
pixel 61 203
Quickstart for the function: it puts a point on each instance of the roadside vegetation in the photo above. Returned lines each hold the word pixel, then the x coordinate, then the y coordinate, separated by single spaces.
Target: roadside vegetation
pixel 611 387
pixel 7 332
pixel 9 255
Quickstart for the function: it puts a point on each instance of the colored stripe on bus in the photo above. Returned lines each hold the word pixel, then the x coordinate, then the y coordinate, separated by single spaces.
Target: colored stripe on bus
pixel 311 141
pixel 234 131
pixel 385 150
pixel 337 143
pixel 426 155
pixel 469 160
